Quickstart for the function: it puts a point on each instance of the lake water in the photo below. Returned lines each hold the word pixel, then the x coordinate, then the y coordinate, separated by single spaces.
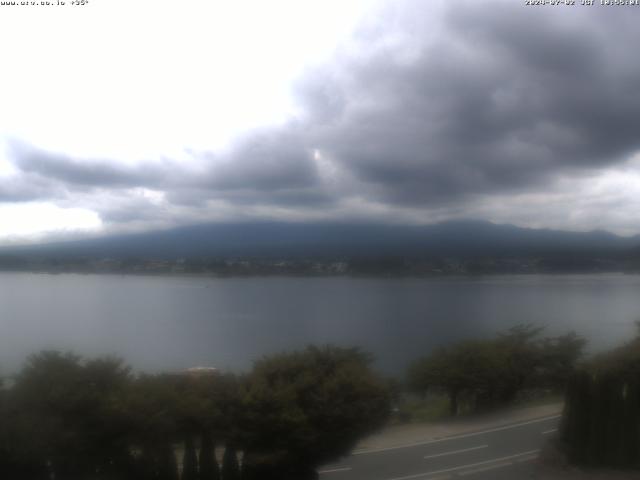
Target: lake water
pixel 168 323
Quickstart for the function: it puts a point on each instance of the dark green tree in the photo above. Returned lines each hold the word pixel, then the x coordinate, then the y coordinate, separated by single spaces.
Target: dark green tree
pixel 189 460
pixel 558 359
pixel 521 357
pixel 230 467
pixel 152 409
pixel 471 370
pixel 601 420
pixel 207 463
pixel 69 416
pixel 306 408
pixel 485 373
pixel 206 405
pixel 165 465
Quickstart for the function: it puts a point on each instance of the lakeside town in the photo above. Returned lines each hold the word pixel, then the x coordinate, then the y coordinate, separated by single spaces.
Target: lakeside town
pixel 370 266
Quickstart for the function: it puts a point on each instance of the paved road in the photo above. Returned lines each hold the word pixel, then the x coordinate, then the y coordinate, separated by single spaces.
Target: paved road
pixel 504 452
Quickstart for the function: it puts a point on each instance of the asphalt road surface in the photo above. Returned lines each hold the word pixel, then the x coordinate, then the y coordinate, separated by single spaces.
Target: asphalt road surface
pixel 504 452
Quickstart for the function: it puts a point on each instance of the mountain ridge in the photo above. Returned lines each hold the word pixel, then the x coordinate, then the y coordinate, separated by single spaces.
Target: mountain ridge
pixel 463 238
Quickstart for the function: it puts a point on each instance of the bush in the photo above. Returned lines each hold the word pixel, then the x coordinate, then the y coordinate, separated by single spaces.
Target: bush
pixel 601 421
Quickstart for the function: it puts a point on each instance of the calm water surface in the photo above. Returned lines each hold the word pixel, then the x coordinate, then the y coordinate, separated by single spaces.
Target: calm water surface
pixel 159 323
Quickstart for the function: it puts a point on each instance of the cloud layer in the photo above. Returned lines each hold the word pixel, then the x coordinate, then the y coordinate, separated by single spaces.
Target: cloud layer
pixel 489 109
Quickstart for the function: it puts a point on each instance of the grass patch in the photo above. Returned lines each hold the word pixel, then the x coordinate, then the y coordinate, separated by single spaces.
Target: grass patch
pixel 413 410
pixel 539 398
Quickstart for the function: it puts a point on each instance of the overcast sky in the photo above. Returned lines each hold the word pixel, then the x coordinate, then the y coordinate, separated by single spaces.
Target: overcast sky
pixel 128 115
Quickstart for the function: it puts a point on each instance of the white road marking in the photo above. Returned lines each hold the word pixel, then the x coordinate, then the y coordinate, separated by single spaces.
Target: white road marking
pixel 463 467
pixel 485 469
pixel 335 470
pixel 455 437
pixel 455 451
pixel 547 432
pixel 527 459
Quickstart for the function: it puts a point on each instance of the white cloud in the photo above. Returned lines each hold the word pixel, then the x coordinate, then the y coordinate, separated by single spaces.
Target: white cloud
pixel 33 221
pixel 131 80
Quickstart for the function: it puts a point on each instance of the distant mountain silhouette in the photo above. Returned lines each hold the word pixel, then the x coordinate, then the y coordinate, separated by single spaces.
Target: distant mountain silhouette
pixel 272 239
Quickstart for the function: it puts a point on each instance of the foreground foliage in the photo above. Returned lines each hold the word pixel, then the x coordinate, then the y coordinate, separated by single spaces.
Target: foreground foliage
pixel 486 373
pixel 308 408
pixel 601 422
pixel 70 419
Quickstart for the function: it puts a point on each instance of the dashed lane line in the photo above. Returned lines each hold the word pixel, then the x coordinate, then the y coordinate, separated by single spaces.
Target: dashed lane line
pixel 453 452
pixel 455 437
pixel 488 468
pixel 502 460
pixel 334 470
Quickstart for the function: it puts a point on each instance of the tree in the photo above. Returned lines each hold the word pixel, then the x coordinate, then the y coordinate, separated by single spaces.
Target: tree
pixel 207 464
pixel 178 409
pixel 152 406
pixel 68 416
pixel 559 357
pixel 189 460
pixel 521 353
pixel 306 408
pixel 230 467
pixel 491 372
pixel 73 419
pixel 601 420
pixel 471 369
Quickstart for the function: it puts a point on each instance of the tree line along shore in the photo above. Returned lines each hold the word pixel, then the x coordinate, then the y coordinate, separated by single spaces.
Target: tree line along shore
pixel 70 418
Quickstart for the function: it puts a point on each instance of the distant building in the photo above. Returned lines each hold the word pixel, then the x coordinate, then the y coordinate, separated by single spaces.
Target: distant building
pixel 198 372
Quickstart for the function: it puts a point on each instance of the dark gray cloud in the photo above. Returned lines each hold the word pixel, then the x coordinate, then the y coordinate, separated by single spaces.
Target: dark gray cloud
pixel 26 188
pixel 502 99
pixel 267 167
pixel 88 173
pixel 132 210
pixel 272 166
pixel 264 161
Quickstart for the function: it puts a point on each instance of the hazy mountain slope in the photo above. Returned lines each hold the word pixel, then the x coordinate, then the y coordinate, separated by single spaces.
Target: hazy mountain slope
pixel 460 238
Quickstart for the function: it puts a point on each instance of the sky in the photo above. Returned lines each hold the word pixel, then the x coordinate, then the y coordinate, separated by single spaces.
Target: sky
pixel 125 116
